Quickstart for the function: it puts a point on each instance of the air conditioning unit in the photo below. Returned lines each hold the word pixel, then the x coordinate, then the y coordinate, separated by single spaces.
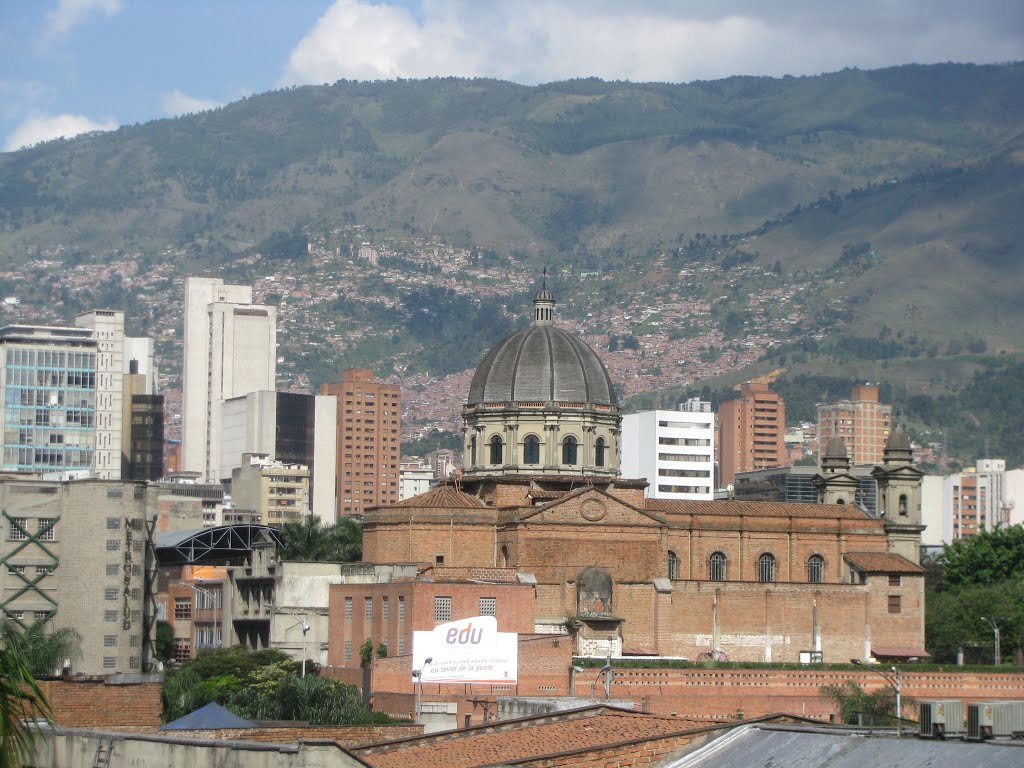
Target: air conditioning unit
pixel 939 719
pixel 991 719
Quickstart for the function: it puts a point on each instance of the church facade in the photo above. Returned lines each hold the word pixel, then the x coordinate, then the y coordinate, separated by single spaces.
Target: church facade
pixel 541 497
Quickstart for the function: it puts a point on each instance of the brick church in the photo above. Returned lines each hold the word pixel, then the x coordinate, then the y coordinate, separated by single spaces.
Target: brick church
pixel 541 500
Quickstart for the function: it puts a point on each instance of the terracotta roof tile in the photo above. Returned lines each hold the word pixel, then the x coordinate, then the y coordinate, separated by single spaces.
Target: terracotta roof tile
pixel 756 509
pixel 442 497
pixel 882 562
pixel 528 738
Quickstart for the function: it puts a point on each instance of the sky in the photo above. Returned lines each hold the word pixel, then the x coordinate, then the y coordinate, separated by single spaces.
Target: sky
pixel 70 66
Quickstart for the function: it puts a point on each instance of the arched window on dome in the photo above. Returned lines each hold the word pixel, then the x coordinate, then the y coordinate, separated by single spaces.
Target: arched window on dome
pixel 472 451
pixel 717 565
pixel 569 446
pixel 531 450
pixel 599 452
pixel 496 450
pixel 816 569
pixel 766 567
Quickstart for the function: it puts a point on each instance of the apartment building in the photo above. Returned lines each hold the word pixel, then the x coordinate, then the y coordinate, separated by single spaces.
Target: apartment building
pixel 368 441
pixel 861 422
pixel 752 430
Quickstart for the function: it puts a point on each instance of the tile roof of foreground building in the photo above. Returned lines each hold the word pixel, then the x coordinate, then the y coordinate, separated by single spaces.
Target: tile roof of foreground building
pixel 756 509
pixel 882 562
pixel 534 738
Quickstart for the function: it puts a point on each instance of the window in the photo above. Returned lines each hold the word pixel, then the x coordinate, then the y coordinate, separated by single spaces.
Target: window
pixel 182 649
pixel 894 603
pixel 717 566
pixel 113 545
pixel 47 530
pixel 496 446
pixel 504 556
pixel 348 609
pixel 894 579
pixel 113 523
pixel 348 650
pixel 110 662
pixel 110 615
pixel 569 450
pixel 472 451
pixel 903 505
pixel 13 569
pixel 815 569
pixel 110 593
pixel 40 615
pixel 17 528
pixel 385 607
pixel 488 606
pixel 599 452
pixel 766 567
pixel 368 607
pixel 673 565
pixel 401 646
pixel 442 609
pixel 401 608
pixel 182 608
pixel 44 570
pixel 110 641
pixel 531 450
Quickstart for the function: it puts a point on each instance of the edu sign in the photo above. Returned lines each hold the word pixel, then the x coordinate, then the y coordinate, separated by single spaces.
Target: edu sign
pixel 466 651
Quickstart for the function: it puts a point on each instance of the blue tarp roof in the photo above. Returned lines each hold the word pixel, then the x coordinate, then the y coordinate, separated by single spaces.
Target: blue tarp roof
pixel 211 716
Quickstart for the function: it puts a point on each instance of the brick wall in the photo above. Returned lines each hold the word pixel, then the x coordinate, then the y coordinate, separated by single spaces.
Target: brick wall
pixel 92 703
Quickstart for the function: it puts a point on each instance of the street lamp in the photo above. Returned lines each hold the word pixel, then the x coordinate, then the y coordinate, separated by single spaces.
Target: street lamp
pixel 418 674
pixel 897 685
pixel 305 629
pixel 995 631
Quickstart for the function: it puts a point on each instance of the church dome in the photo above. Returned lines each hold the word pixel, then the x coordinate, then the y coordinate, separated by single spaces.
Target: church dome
pixel 542 363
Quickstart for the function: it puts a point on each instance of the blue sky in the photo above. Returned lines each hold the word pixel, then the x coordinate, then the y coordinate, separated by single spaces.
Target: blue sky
pixel 73 65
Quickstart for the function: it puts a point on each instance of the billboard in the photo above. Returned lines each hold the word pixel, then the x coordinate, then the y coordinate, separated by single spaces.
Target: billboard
pixel 466 651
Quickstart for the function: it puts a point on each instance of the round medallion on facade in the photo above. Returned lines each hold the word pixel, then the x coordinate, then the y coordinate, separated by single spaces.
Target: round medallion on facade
pixel 593 510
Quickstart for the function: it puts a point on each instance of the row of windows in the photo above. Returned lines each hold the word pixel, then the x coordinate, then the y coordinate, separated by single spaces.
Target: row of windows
pixel 46 529
pixel 49 358
pixel 487 606
pixel 767 567
pixel 531 451
pixel 692 442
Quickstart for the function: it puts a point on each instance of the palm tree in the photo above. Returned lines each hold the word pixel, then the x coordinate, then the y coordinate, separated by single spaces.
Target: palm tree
pixel 20 698
pixel 309 540
pixel 43 653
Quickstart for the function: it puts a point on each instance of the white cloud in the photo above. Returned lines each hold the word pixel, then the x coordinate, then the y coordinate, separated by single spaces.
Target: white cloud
pixel 69 13
pixel 546 40
pixel 178 103
pixel 37 129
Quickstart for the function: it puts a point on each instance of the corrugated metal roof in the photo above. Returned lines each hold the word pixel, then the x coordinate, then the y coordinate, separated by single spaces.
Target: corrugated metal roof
pixel 777 746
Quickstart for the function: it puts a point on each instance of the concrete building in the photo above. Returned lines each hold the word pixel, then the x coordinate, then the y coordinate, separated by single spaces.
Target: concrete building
pixel 230 350
pixel 288 427
pixel 414 478
pixel 76 554
pixel 796 484
pixel 275 491
pixel 369 440
pixel 673 450
pixel 751 431
pixel 49 413
pixel 142 433
pixel 861 422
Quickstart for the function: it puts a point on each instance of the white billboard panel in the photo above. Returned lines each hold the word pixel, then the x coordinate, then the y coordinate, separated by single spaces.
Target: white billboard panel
pixel 466 651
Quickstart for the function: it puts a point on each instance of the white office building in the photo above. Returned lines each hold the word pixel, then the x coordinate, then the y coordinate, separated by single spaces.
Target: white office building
pixel 674 450
pixel 230 350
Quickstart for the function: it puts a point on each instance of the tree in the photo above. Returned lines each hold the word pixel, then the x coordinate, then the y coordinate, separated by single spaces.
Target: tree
pixel 20 698
pixel 989 557
pixel 309 540
pixel 42 652
pixel 858 707
pixel 164 640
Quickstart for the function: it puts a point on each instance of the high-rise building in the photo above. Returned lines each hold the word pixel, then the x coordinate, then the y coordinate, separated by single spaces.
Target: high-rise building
pixel 369 440
pixel 108 330
pixel 752 430
pixel 49 402
pixel 230 350
pixel 673 450
pixel 288 427
pixel 861 422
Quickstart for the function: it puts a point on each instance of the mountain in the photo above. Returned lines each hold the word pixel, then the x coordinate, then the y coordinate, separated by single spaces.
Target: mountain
pixel 860 223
